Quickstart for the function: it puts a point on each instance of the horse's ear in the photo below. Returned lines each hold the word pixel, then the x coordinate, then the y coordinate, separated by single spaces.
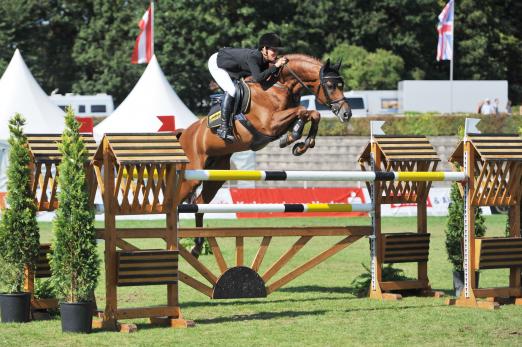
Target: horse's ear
pixel 337 67
pixel 327 64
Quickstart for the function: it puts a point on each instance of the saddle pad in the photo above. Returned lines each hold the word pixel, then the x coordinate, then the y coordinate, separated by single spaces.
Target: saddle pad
pixel 241 105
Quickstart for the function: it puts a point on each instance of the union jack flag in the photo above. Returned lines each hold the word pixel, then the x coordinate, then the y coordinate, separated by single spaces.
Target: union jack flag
pixel 445 30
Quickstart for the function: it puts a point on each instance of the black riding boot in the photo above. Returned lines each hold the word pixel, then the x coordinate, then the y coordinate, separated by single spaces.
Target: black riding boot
pixel 225 130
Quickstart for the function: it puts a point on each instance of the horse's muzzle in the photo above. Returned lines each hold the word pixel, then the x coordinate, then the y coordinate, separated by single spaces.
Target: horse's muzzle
pixel 346 115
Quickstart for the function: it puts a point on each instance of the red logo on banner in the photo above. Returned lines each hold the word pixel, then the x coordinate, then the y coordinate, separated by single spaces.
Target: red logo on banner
pixel 86 124
pixel 168 123
pixel 298 196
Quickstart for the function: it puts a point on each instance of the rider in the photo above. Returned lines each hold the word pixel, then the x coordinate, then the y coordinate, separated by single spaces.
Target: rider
pixel 234 63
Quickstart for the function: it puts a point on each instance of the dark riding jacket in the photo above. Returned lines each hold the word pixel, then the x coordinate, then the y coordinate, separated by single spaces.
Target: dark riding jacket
pixel 243 62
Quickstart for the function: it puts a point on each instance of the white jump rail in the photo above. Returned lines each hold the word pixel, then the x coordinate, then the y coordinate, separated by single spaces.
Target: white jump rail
pixel 285 208
pixel 368 176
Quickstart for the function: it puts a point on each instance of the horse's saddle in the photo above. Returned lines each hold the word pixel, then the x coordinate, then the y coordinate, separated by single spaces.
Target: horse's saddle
pixel 241 104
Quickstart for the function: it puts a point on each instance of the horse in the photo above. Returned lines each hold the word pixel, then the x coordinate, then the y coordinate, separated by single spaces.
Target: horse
pixel 273 113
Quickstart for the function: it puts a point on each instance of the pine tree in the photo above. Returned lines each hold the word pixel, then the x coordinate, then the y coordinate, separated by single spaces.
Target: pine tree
pixel 455 227
pixel 75 262
pixel 19 233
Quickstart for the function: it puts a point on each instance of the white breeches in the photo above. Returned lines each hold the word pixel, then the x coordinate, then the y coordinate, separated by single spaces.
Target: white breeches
pixel 221 76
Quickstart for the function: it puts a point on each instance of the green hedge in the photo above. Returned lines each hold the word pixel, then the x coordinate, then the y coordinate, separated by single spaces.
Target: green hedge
pixel 423 124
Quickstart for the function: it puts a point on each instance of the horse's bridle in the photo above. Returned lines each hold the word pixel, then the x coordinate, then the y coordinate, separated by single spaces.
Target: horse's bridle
pixel 334 105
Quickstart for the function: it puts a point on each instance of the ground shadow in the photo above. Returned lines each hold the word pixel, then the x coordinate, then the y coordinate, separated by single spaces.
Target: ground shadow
pixel 261 301
pixel 261 316
pixel 318 289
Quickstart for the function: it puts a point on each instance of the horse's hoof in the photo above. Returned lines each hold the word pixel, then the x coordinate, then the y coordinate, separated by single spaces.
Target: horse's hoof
pixel 299 149
pixel 194 252
pixel 312 144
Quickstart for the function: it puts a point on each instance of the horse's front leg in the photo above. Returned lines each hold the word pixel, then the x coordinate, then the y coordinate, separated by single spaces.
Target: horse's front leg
pixel 300 148
pixel 295 130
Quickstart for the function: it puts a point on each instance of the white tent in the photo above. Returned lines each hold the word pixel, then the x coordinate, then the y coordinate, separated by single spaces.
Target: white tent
pixel 148 107
pixel 19 92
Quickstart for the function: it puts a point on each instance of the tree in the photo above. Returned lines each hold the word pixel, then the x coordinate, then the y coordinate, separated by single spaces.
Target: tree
pixel 455 227
pixel 19 232
pixel 364 70
pixel 74 261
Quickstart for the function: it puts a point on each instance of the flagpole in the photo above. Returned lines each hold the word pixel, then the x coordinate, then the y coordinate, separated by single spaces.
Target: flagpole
pixel 452 58
pixel 152 9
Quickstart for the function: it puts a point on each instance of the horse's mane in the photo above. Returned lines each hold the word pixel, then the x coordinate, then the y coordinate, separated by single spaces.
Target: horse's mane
pixel 303 57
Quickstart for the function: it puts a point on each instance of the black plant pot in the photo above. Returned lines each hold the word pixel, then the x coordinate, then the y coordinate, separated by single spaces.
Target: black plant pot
pixel 76 317
pixel 15 307
pixel 458 281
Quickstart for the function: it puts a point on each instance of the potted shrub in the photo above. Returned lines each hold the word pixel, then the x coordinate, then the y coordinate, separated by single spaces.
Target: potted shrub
pixel 74 261
pixel 454 235
pixel 19 234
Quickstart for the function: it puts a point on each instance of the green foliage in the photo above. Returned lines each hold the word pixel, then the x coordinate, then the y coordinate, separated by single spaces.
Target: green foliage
pixel 364 70
pixel 43 288
pixel 420 124
pixel 19 233
pixel 74 261
pixel 361 284
pixel 93 39
pixel 455 227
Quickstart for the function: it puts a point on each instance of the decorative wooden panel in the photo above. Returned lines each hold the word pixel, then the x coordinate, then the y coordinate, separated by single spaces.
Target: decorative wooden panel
pixel 137 268
pixel 402 153
pixel 405 247
pixel 498 252
pixel 43 268
pixel 497 168
pixel 46 157
pixel 142 164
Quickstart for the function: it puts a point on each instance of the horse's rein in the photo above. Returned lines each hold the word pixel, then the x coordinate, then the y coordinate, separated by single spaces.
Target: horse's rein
pixel 297 78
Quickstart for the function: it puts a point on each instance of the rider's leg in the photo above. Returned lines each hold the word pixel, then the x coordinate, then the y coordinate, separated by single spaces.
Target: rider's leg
pixel 223 79
pixel 225 130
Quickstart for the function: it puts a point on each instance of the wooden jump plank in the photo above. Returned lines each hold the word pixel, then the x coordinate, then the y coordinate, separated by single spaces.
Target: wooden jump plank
pixel 146 312
pixel 283 231
pixel 196 264
pixel 285 258
pixel 239 251
pixel 256 264
pixel 194 283
pixel 217 254
pixel 312 263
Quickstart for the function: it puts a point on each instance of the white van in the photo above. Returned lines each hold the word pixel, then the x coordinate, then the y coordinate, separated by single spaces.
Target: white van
pixel 357 102
pixel 96 106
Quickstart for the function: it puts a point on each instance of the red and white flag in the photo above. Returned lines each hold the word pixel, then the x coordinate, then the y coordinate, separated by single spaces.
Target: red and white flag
pixel 144 46
pixel 445 30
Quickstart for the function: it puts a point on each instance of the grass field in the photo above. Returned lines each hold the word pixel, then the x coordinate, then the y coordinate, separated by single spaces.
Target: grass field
pixel 316 309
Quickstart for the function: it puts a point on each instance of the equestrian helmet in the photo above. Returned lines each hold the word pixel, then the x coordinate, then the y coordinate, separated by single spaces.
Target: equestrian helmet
pixel 271 40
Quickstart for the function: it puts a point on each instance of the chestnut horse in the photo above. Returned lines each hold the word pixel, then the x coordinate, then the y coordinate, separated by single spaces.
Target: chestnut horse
pixel 274 113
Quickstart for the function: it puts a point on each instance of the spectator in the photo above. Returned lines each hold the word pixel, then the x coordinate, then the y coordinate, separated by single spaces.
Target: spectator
pixel 479 107
pixel 496 106
pixel 508 107
pixel 487 108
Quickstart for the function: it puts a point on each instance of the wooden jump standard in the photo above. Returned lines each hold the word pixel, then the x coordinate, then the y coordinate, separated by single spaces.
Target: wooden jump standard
pixel 404 154
pixel 137 174
pixel 45 158
pixel 493 164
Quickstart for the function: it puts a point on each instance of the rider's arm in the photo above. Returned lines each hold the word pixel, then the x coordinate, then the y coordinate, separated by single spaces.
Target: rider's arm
pixel 258 75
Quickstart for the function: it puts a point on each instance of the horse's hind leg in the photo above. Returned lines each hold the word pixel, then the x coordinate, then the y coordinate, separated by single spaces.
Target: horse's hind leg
pixel 210 189
pixel 208 192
